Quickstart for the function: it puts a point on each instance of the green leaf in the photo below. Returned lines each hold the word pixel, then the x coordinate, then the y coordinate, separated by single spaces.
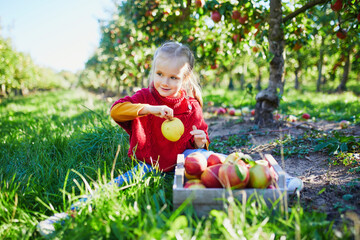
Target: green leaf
pixel 321 146
pixel 347 197
pixel 321 191
pixel 343 147
pixel 240 172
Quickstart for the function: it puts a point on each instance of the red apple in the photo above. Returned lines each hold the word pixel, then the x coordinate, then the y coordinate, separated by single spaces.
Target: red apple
pixel 277 116
pixel 234 175
pixel 189 176
pixel 337 6
pixel 194 184
pixel 214 66
pixel 260 176
pixel 274 175
pixel 306 116
pixel 210 177
pixel 232 111
pixel 216 16
pixel 236 38
pixel 297 46
pixel 215 158
pixel 195 163
pixel 239 158
pixel 199 3
pixel 291 118
pixel 257 25
pixel 253 112
pixel 243 19
pixel 358 17
pixel 341 34
pixel 235 14
pixel 221 111
pixel 344 124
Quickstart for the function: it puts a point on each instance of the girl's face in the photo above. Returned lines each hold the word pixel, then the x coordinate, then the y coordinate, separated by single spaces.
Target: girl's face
pixel 169 75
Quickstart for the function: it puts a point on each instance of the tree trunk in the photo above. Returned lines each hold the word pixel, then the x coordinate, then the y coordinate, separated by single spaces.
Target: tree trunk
pixel 297 79
pixel 297 73
pixel 231 84
pixel 320 65
pixel 345 77
pixel 258 82
pixel 242 81
pixel 267 100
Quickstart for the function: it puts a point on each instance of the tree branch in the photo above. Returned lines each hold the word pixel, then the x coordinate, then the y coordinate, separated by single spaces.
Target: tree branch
pixel 303 9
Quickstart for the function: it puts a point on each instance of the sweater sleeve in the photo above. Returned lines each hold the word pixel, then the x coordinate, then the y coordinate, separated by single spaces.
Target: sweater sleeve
pixel 125 111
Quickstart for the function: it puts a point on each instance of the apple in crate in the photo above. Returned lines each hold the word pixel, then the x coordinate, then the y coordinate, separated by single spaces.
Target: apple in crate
pixel 189 176
pixel 194 184
pixel 210 177
pixel 264 162
pixel 238 157
pixel 234 175
pixel 195 163
pixel 215 158
pixel 260 176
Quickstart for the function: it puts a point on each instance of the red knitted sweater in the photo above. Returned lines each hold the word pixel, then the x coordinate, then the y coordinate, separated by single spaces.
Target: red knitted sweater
pixel 146 139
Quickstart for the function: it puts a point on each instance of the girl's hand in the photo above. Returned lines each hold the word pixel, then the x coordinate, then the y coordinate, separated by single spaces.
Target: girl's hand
pixel 162 111
pixel 199 137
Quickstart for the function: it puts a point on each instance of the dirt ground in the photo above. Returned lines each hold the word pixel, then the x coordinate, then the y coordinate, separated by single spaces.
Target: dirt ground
pixel 327 188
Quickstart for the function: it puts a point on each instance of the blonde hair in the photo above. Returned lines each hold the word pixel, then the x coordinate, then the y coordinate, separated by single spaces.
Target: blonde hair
pixel 177 50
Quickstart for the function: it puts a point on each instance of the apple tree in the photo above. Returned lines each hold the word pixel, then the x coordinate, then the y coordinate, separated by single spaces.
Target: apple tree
pixel 220 33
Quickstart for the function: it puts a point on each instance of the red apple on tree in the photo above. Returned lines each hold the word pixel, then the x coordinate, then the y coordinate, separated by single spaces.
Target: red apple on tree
pixel 216 16
pixel 235 14
pixel 236 38
pixel 199 3
pixel 215 158
pixel 234 175
pixel 243 19
pixel 253 112
pixel 337 6
pixel 297 46
pixel 210 177
pixel 195 163
pixel 341 34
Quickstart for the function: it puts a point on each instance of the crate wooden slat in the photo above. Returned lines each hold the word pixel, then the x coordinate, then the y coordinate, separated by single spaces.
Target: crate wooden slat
pixel 204 200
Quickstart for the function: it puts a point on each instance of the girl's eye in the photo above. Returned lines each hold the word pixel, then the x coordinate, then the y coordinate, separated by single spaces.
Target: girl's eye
pixel 174 78
pixel 159 74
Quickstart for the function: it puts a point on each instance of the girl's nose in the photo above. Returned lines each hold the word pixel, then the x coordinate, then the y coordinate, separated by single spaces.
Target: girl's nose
pixel 166 81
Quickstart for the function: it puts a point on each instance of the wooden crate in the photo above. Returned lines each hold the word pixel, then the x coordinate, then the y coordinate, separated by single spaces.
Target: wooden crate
pixel 204 200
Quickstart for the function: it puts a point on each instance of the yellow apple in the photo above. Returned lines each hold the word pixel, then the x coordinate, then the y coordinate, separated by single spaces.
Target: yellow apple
pixel 172 129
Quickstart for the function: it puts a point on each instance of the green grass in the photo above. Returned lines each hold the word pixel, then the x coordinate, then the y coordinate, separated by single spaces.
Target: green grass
pixel 58 146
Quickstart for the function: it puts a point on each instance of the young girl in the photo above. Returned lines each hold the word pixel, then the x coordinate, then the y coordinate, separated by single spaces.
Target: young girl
pixel 174 91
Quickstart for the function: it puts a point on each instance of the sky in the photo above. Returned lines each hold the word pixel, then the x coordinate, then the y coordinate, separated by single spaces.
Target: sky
pixel 60 34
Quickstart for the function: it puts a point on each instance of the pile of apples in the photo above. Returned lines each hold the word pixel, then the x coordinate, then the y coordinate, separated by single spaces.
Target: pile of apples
pixel 235 171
